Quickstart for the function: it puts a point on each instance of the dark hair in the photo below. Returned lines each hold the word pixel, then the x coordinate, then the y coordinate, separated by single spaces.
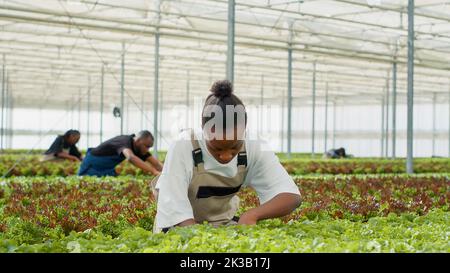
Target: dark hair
pixel 71 132
pixel 145 134
pixel 222 96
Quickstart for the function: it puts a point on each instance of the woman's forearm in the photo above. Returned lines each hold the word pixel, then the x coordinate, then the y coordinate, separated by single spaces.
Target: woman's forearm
pixel 188 222
pixel 279 206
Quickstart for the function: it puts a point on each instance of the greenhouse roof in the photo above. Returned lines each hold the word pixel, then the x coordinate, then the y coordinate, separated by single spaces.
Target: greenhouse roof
pixel 54 50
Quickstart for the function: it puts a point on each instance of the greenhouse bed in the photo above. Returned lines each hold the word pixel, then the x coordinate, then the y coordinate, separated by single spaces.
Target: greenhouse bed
pixel 355 213
pixel 14 165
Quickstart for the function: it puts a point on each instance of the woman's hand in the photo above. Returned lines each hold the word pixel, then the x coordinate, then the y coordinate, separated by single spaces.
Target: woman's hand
pixel 280 205
pixel 188 222
pixel 248 218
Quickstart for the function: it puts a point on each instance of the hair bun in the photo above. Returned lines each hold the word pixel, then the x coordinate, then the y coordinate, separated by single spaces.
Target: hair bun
pixel 222 89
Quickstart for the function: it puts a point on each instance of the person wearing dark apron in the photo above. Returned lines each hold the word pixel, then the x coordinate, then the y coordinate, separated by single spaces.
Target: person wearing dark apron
pixel 335 153
pixel 102 160
pixel 64 148
pixel 203 172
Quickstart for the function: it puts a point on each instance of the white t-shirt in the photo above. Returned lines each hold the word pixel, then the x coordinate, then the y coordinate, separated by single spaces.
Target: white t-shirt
pixel 265 174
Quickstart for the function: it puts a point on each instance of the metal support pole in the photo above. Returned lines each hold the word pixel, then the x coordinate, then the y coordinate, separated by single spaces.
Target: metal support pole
pixel 433 138
pixel 387 118
pixel 261 108
pixel 11 120
pixel 102 95
pixel 127 116
pixel 382 127
pixel 313 129
pixel 8 113
pixel 283 105
pixel 334 125
pixel 289 103
pixel 79 109
pixel 88 131
pixel 156 82
pixel 410 98
pixel 156 95
pixel 161 109
pixel 6 119
pixel 68 124
pixel 326 118
pixel 230 43
pixel 188 90
pixel 122 87
pixel 394 109
pixel 142 111
pixel 3 101
pixel 40 122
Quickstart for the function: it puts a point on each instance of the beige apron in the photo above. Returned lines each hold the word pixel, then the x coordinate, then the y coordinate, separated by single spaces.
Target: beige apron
pixel 213 197
pixel 52 156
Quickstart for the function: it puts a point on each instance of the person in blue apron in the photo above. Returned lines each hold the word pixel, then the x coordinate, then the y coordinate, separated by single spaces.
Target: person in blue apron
pixel 64 148
pixel 205 169
pixel 102 160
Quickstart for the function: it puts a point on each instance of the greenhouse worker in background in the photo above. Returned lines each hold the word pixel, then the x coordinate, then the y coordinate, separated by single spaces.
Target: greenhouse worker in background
pixel 205 170
pixel 102 160
pixel 64 148
pixel 335 153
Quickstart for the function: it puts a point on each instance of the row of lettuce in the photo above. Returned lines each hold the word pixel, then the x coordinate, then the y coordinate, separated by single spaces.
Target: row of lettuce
pixel 356 213
pixel 15 165
pixel 405 233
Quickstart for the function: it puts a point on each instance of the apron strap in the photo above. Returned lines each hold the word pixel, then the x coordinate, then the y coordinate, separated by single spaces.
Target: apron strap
pixel 242 157
pixel 198 156
pixel 197 152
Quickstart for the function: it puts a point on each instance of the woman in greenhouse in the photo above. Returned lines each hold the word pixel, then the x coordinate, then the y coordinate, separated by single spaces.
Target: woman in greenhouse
pixel 102 160
pixel 64 148
pixel 204 171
